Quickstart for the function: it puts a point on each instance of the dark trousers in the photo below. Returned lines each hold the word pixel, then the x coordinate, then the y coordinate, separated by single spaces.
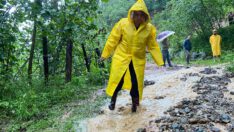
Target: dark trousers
pixel 134 90
pixel 166 57
pixel 187 54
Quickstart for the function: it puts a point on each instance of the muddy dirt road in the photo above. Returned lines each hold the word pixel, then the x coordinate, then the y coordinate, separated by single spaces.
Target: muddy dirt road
pixel 171 87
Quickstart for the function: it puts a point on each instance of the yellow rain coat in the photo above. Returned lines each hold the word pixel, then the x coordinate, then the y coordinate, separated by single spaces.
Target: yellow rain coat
pixel 215 41
pixel 129 44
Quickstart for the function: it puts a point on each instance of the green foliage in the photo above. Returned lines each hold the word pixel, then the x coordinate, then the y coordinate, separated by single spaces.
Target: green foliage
pixel 201 43
pixel 231 67
pixel 108 15
pixel 227 37
pixel 8 28
pixel 187 17
pixel 25 102
pixel 58 21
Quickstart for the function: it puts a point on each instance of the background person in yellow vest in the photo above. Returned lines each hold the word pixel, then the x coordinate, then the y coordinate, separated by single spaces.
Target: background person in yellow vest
pixel 128 41
pixel 215 41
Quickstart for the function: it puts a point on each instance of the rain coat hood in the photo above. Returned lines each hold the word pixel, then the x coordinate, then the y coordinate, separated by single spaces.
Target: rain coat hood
pixel 139 6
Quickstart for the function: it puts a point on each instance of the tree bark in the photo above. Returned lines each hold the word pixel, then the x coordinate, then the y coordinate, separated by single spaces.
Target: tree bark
pixel 45 57
pixel 32 52
pixel 87 61
pixel 69 60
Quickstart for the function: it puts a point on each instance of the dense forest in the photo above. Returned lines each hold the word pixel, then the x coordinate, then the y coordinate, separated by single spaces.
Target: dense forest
pixel 49 49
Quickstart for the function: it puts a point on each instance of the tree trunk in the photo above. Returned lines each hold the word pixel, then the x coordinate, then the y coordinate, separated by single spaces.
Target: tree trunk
pixel 87 62
pixel 32 52
pixel 69 60
pixel 45 57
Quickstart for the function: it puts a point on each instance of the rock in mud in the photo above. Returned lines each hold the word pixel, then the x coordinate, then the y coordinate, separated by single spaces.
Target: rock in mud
pixel 199 114
pixel 214 129
pixel 141 130
pixel 147 83
pixel 193 74
pixel 208 71
pixel 158 120
pixel 184 120
pixel 187 110
pixel 229 75
pixel 184 78
pixel 100 112
pixel 120 109
pixel 177 127
pixel 199 129
pixel 159 97
pixel 232 92
pixel 231 128
pixel 224 118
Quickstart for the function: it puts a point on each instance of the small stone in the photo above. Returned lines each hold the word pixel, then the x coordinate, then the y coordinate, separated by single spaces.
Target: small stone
pixel 225 118
pixel 231 128
pixel 229 75
pixel 214 129
pixel 184 120
pixel 141 130
pixel 193 121
pixel 120 109
pixel 147 83
pixel 186 101
pixel 158 120
pixel 101 112
pixel 187 110
pixel 208 71
pixel 159 97
pixel 199 129
pixel 183 79
pixel 232 92
pixel 175 126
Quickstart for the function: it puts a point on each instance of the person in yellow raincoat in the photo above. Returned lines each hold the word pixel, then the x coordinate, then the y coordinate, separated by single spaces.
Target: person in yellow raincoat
pixel 215 41
pixel 127 42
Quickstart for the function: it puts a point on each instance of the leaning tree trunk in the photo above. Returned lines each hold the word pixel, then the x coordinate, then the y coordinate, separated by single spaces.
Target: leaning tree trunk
pixel 45 57
pixel 32 52
pixel 69 60
pixel 87 62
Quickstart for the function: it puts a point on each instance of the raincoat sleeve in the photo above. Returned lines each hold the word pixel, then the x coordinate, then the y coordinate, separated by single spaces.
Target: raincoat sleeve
pixel 154 49
pixel 112 41
pixel 211 40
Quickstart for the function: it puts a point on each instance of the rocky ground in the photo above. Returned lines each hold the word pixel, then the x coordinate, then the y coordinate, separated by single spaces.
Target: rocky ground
pixel 211 110
pixel 196 99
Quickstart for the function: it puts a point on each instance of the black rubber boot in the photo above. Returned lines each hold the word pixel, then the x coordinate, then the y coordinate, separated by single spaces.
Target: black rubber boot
pixel 135 103
pixel 112 103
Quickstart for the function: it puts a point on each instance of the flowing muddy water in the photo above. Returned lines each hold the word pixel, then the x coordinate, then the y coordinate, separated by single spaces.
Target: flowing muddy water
pixel 168 90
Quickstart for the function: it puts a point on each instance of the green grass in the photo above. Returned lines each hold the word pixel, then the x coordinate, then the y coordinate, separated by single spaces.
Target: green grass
pixel 37 107
pixel 51 121
pixel 85 111
pixel 226 58
pixel 230 67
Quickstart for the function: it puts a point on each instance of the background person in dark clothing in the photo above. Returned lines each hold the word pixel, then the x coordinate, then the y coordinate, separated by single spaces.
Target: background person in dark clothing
pixel 165 52
pixel 231 18
pixel 187 48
